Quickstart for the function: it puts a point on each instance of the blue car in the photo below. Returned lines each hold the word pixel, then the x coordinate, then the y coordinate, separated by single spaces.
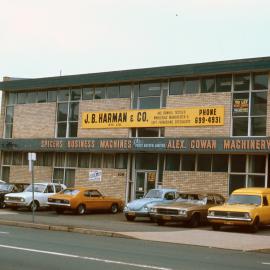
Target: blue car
pixel 141 207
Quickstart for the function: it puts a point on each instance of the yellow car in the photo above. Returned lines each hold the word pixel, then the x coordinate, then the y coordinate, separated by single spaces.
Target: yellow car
pixel 82 199
pixel 245 207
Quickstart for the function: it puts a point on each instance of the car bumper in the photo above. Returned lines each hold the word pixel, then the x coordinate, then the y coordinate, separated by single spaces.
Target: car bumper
pixel 230 220
pixel 136 214
pixel 16 204
pixel 169 217
pixel 59 205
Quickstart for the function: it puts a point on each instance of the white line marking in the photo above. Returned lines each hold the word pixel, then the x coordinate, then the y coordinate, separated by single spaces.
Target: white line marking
pixel 4 232
pixel 265 262
pixel 86 258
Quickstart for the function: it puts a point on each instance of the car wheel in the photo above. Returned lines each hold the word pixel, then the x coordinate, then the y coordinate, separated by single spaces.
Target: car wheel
pixel 81 210
pixel 3 205
pixel 114 208
pixel 194 221
pixel 130 218
pixel 216 227
pixel 160 222
pixel 255 226
pixel 34 206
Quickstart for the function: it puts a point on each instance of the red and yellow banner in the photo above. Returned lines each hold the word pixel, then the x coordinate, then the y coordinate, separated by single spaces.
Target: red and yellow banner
pixel 180 117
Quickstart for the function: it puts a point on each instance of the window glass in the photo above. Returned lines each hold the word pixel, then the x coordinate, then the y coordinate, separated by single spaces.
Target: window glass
pixel 5 173
pixel 9 114
pixel 208 85
pixel 146 161
pixel 241 82
pixel 88 93
pixel 7 158
pixel 224 83
pixel 259 103
pixel 256 164
pixel 73 129
pixel 73 111
pixel 83 160
pixel 172 162
pixel 240 104
pixel 52 96
pixel 61 129
pixel 260 81
pixel 238 163
pixel 31 97
pixel 96 160
pixel 47 159
pixel 236 181
pixel 188 162
pixel 204 163
pixel 125 91
pixel 149 103
pixel 8 130
pixel 42 96
pixel 108 161
pixel 58 175
pixel 220 163
pixel 59 159
pixel 149 89
pixel 22 97
pixel 113 91
pixel 135 96
pixel 121 161
pixel 75 94
pixel 258 126
pixel 17 158
pixel 148 132
pixel 62 111
pixel 256 181
pixel 191 86
pixel 12 98
pixel 63 95
pixel 100 92
pixel 177 87
pixel 240 126
pixel 71 160
pixel 164 98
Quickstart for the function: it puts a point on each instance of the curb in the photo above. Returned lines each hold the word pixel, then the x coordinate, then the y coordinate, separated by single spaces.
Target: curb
pixel 63 228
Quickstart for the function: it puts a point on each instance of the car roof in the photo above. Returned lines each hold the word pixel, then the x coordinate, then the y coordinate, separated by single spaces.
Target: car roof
pixel 82 188
pixel 252 190
pixel 202 193
pixel 164 189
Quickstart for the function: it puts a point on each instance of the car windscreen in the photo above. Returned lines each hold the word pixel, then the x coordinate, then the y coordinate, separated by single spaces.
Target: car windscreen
pixel 37 188
pixel 72 192
pixel 154 193
pixel 244 199
pixel 5 187
pixel 192 198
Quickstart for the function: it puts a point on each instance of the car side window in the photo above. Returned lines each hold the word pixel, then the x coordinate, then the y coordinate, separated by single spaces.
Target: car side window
pixel 169 196
pixel 87 193
pixel 265 201
pixel 50 189
pixel 57 188
pixel 219 200
pixel 210 200
pixel 94 193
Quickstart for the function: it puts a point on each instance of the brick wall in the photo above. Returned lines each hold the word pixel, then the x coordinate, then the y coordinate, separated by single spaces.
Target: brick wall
pixel 19 174
pixel 103 105
pixel 205 99
pixel 197 181
pixel 34 120
pixel 113 181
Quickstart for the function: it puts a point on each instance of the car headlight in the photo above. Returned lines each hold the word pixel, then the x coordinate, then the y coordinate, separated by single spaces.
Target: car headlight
pixel 125 208
pixel 211 213
pixel 182 212
pixel 246 215
pixel 145 208
pixel 22 199
pixel 153 210
pixel 7 198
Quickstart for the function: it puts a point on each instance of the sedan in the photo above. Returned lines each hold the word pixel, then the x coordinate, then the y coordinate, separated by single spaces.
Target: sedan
pixel 82 199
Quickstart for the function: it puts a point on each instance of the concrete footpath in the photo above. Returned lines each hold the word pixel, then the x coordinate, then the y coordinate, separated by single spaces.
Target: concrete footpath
pixel 116 226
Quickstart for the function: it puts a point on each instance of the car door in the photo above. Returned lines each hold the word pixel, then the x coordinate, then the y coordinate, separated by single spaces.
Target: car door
pixel 265 210
pixel 50 190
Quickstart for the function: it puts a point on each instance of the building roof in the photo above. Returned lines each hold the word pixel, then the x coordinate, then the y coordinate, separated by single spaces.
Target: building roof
pixel 122 76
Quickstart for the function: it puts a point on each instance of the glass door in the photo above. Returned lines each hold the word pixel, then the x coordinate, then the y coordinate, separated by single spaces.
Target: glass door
pixel 145 180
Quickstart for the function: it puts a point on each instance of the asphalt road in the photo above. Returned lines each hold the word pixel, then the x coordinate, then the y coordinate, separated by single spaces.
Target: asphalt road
pixel 27 249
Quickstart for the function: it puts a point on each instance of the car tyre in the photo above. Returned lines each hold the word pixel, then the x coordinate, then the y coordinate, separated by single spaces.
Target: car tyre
pixel 194 221
pixel 34 206
pixel 255 226
pixel 81 210
pixel 130 218
pixel 216 227
pixel 114 208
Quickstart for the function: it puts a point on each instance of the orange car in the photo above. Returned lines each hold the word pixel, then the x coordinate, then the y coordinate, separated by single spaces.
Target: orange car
pixel 82 199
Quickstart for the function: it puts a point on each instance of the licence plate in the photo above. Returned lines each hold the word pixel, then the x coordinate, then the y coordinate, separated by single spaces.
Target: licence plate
pixel 166 217
pixel 131 214
pixel 228 222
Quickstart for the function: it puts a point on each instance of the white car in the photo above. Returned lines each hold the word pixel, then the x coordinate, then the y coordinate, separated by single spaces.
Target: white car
pixel 41 193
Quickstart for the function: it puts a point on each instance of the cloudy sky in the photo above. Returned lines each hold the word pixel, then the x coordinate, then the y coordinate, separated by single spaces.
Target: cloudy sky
pixel 42 38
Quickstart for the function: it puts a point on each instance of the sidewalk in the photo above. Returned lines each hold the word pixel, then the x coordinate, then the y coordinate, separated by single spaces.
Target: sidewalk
pixel 117 226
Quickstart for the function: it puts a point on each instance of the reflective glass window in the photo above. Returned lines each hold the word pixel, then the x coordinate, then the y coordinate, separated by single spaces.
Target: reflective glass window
pixel 63 95
pixel 188 162
pixel 88 93
pixel 238 163
pixel 73 129
pixel 176 87
pixel 259 103
pixel 191 86
pixel 241 82
pixel 42 96
pixel 172 162
pixel 62 112
pixel 100 92
pixel 12 98
pixel 240 126
pixel 75 94
pixel 258 126
pixel 220 163
pixel 208 85
pixel 125 91
pixel 223 83
pixel 149 89
pixel 113 91
pixel 260 81
pixel 52 96
pixel 204 163
pixel 73 111
pixel 149 103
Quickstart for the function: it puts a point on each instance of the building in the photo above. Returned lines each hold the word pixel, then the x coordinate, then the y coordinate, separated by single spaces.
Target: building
pixel 194 127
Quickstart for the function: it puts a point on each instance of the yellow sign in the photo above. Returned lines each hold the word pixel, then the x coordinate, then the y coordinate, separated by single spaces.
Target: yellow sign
pixel 180 117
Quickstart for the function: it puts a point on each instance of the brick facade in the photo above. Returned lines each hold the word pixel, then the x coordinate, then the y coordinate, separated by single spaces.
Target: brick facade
pixel 38 120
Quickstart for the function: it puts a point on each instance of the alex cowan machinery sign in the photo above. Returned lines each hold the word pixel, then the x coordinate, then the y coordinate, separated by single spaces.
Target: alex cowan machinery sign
pixel 180 117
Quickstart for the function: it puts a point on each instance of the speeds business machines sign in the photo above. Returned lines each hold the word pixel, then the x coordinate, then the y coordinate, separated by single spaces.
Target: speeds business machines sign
pixel 180 117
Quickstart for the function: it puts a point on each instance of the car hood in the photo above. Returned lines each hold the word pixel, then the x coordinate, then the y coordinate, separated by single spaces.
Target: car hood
pixel 234 207
pixel 137 204
pixel 180 205
pixel 24 194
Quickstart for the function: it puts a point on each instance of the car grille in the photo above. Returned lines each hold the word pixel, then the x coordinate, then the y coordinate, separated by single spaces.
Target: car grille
pixel 229 214
pixel 15 199
pixel 165 211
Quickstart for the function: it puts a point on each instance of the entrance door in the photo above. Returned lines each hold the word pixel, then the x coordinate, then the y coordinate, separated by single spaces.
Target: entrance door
pixel 145 180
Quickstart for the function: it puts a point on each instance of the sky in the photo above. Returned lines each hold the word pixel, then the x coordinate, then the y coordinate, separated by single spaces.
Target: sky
pixel 44 38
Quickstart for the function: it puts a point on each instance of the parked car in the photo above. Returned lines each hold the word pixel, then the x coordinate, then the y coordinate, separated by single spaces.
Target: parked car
pixel 190 208
pixel 6 188
pixel 245 207
pixel 140 207
pixel 81 200
pixel 41 193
